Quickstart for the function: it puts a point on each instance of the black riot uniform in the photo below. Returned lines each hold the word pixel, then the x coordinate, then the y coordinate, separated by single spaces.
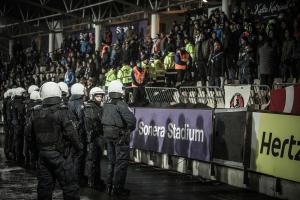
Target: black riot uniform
pixel 75 112
pixel 29 107
pixel 92 116
pixel 9 151
pixel 18 123
pixel 52 135
pixel 118 121
pixel 6 126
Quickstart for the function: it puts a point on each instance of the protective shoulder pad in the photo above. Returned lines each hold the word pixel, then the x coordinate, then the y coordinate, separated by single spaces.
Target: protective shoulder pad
pixel 63 107
pixel 87 105
pixel 37 107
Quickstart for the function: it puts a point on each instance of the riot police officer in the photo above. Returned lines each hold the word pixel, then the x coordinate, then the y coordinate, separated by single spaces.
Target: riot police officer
pixel 118 121
pixel 18 123
pixel 9 152
pixel 34 100
pixel 92 113
pixel 6 122
pixel 52 135
pixel 65 92
pixel 75 106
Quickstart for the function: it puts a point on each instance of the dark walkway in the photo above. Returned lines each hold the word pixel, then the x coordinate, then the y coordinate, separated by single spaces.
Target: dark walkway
pixel 145 183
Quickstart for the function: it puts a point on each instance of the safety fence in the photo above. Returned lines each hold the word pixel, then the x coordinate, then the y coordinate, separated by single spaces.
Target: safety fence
pixel 236 138
pixel 211 96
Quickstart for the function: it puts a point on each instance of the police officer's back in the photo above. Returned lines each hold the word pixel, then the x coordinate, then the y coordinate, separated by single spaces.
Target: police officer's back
pixel 118 121
pixel 92 114
pixel 75 111
pixel 18 122
pixel 7 120
pixel 33 101
pixel 52 135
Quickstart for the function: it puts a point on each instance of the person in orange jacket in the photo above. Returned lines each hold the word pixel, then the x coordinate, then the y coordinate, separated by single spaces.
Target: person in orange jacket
pixel 182 59
pixel 140 78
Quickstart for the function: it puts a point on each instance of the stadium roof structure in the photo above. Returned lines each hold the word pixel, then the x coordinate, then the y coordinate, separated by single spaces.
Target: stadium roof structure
pixel 20 18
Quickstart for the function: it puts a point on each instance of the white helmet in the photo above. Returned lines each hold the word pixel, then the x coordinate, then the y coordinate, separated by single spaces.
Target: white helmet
pixel 32 88
pixel 35 95
pixel 13 92
pixel 19 91
pixel 5 94
pixel 77 89
pixel 64 87
pixel 94 91
pixel 115 86
pixel 9 92
pixel 50 89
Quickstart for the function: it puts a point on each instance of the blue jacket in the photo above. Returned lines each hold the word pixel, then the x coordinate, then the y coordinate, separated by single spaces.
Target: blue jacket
pixel 69 78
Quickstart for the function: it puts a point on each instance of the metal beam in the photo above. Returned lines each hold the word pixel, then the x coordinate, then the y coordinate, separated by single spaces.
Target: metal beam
pixel 58 14
pixel 128 4
pixel 43 6
pixel 73 25
pixel 176 4
pixel 65 4
pixel 151 4
pixel 91 5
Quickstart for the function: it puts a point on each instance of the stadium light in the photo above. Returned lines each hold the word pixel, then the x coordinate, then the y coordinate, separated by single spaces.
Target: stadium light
pixel 205 1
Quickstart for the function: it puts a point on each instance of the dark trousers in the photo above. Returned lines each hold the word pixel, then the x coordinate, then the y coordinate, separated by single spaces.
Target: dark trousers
pixel 92 164
pixel 82 159
pixel 118 159
pixel 180 75
pixel 266 79
pixel 214 81
pixel 170 78
pixel 7 142
pixel 139 95
pixel 18 141
pixel 201 72
pixel 53 166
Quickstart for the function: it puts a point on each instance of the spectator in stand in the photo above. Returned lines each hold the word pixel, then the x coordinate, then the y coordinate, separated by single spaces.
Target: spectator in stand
pixel 89 71
pixel 246 65
pixel 116 55
pixel 296 57
pixel 216 64
pixel 163 43
pixel 265 59
pixel 156 45
pixel 140 78
pixel 288 48
pixel 69 76
pixel 182 58
pixel 169 64
pixel 121 36
pixel 201 57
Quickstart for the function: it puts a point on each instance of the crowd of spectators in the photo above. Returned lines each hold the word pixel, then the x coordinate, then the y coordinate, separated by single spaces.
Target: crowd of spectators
pixel 238 47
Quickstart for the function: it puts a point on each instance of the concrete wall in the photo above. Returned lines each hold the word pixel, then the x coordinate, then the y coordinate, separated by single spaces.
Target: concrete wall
pixel 229 175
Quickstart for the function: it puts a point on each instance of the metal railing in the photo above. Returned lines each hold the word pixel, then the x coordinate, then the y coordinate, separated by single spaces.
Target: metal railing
pixel 212 96
pixel 282 85
pixel 162 95
pixel 259 94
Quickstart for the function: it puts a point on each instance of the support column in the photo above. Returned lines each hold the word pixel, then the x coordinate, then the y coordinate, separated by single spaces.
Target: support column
pixel 97 36
pixel 38 41
pixel 10 46
pixel 58 39
pixel 51 44
pixel 155 21
pixel 225 7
